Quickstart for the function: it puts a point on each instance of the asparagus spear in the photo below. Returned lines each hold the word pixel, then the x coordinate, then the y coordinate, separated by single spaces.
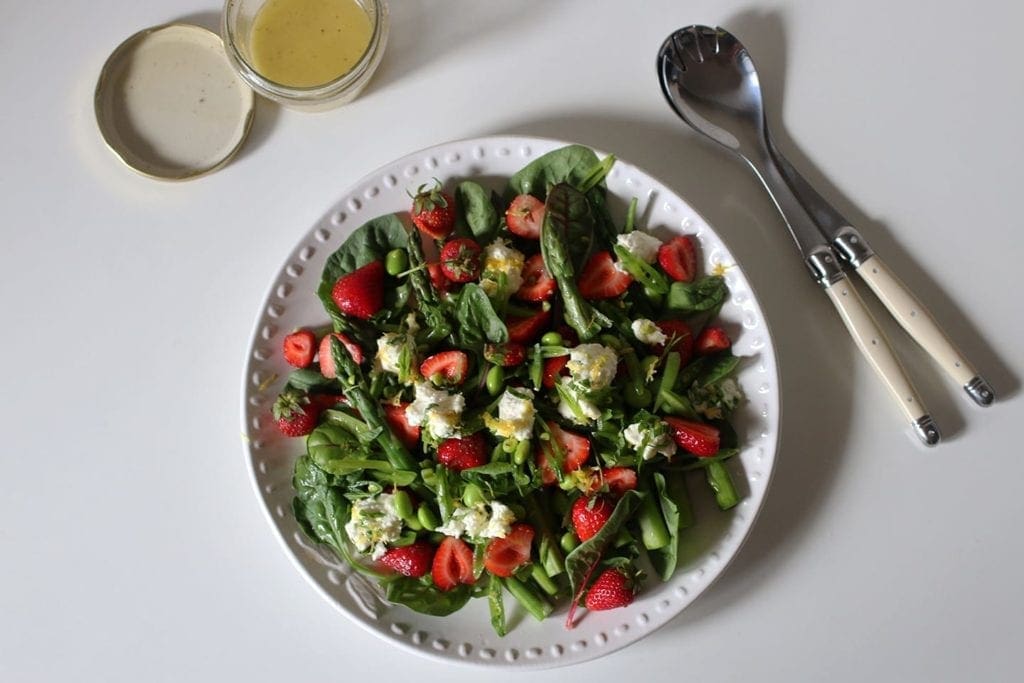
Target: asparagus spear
pixel 426 298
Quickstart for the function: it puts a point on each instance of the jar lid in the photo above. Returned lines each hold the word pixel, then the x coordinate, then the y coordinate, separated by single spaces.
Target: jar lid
pixel 170 105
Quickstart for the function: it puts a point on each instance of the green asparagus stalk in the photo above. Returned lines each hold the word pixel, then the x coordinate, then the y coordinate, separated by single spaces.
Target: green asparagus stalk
pixel 534 603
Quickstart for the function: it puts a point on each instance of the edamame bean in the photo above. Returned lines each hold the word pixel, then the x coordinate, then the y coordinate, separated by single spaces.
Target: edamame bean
pixel 551 339
pixel 495 380
pixel 568 541
pixel 522 452
pixel 472 495
pixel 427 518
pixel 403 505
pixel 397 261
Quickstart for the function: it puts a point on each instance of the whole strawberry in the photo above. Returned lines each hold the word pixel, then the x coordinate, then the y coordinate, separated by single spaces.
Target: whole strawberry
pixel 360 293
pixel 295 414
pixel 589 514
pixel 433 211
pixel 612 590
pixel 460 260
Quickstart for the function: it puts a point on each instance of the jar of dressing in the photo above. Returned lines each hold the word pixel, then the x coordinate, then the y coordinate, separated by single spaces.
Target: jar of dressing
pixel 305 54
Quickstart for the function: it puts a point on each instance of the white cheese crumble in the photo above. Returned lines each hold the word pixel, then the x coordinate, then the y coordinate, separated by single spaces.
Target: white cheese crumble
pixel 640 244
pixel 648 332
pixel 389 351
pixel 439 412
pixel 373 524
pixel 650 442
pixel 587 409
pixel 593 363
pixel 501 259
pixel 482 520
pixel 515 415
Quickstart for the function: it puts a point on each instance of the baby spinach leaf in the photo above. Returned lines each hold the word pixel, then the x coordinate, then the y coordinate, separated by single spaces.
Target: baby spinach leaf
pixel 477 211
pixel 700 295
pixel 571 164
pixel 476 319
pixel 308 379
pixel 718 368
pixel 426 598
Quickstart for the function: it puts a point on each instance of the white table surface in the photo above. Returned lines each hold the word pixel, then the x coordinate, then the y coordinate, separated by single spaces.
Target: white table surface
pixel 133 546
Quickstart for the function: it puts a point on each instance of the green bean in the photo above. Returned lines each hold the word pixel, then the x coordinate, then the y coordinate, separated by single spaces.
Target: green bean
pixel 541 578
pixel 568 541
pixel 522 452
pixel 472 495
pixel 428 520
pixel 551 339
pixel 536 604
pixel 721 483
pixel 653 531
pixel 495 380
pixel 396 261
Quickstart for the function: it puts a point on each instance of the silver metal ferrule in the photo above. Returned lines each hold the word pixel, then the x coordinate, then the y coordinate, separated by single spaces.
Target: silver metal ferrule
pixel 980 391
pixel 926 430
pixel 824 266
pixel 851 246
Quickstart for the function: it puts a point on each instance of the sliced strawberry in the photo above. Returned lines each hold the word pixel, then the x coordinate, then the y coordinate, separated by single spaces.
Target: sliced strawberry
pixel 524 216
pixel 601 279
pixel 447 367
pixel 696 437
pixel 590 514
pixel 296 415
pixel 299 348
pixel 680 339
pixel 506 355
pixel 399 423
pixel 553 369
pixel 360 293
pixel 453 564
pixel 678 258
pixel 504 556
pixel 460 260
pixel 611 590
pixel 327 368
pixel 619 479
pixel 413 560
pixel 463 453
pixel 525 330
pixel 574 448
pixel 712 339
pixel 437 277
pixel 537 285
pixel 433 211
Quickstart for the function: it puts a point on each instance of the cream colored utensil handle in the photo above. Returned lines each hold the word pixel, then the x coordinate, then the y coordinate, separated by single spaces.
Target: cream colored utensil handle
pixel 875 347
pixel 919 323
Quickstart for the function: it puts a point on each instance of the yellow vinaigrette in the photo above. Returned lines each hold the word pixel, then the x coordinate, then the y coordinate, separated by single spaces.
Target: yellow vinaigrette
pixel 306 43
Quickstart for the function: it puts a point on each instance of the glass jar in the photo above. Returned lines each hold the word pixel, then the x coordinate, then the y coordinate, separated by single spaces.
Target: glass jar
pixel 237 23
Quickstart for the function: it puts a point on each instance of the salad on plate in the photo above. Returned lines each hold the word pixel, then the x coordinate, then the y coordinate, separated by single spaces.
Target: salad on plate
pixel 510 394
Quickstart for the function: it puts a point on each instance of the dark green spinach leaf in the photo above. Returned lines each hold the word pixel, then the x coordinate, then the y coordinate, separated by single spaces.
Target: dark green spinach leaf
pixel 477 321
pixel 703 294
pixel 478 212
pixel 425 597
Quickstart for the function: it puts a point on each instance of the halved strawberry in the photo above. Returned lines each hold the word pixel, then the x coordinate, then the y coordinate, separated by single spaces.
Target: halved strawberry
pixel 413 560
pixel 574 449
pixel 464 452
pixel 399 423
pixel 327 368
pixel 433 211
pixel 537 285
pixel 611 590
pixel 437 277
pixel 453 564
pixel 678 258
pixel 712 339
pixel 447 367
pixel 553 369
pixel 460 260
pixel 360 293
pixel 506 355
pixel 525 330
pixel 589 514
pixel 504 556
pixel 696 437
pixel 619 479
pixel 600 278
pixel 296 415
pixel 299 348
pixel 524 216
pixel 680 339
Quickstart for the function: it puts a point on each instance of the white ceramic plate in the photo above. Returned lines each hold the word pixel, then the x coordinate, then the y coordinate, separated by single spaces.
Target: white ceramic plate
pixel 466 636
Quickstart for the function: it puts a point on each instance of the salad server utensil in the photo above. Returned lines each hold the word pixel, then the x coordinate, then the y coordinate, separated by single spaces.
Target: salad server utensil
pixel 709 79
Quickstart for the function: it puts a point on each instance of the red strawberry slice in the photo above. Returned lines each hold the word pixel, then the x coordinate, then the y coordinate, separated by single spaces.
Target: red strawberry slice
pixel 553 369
pixel 299 348
pixel 413 560
pixel 537 285
pixel 525 330
pixel 433 211
pixel 590 514
pixel 678 258
pixel 360 293
pixel 601 279
pixel 437 277
pixel 680 339
pixel 296 415
pixel 525 216
pixel 619 479
pixel 327 367
pixel 453 564
pixel 399 423
pixel 463 453
pixel 504 556
pixel 460 260
pixel 611 590
pixel 506 355
pixel 447 367
pixel 696 437
pixel 712 339
pixel 575 449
